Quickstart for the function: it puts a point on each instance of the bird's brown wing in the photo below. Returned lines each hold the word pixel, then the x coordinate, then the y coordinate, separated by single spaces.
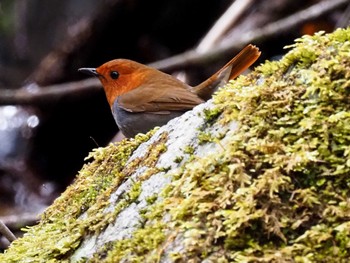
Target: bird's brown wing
pixel 159 97
pixel 231 70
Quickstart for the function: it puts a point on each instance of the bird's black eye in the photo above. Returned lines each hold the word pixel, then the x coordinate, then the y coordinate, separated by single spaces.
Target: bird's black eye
pixel 114 74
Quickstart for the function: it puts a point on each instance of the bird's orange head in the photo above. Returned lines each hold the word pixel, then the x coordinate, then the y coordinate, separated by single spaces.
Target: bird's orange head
pixel 119 76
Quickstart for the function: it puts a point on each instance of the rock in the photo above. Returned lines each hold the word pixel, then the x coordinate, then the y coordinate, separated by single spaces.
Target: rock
pixel 258 174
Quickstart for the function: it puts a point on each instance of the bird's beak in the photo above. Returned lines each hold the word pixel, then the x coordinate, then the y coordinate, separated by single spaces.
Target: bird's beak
pixel 89 71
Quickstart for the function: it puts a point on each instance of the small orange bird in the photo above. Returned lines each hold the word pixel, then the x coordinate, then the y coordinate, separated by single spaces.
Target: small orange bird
pixel 142 97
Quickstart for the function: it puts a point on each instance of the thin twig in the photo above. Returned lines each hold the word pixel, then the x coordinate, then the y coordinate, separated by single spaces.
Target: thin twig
pixel 223 24
pixel 218 30
pixel 6 232
pixel 344 20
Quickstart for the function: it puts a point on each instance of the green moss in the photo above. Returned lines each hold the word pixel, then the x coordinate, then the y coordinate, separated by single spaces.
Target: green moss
pixel 61 228
pixel 143 242
pixel 278 191
pixel 141 247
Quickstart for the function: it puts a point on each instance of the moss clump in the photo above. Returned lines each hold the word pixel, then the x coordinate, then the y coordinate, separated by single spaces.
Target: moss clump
pixel 189 149
pixel 205 137
pixel 178 159
pixel 210 115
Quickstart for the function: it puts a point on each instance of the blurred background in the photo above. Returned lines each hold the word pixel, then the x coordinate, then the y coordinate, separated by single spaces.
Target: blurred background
pixel 50 119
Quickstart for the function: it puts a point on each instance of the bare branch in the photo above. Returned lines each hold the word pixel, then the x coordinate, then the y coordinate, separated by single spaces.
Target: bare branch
pixel 34 95
pixel 192 57
pixel 17 221
pixel 48 94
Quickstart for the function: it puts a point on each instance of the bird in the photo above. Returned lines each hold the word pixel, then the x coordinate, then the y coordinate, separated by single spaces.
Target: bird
pixel 142 97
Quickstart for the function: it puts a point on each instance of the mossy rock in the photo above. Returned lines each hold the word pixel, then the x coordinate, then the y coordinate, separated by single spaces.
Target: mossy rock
pixel 259 174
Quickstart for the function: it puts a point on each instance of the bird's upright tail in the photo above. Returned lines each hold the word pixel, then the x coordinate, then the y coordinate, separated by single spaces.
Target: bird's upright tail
pixel 231 70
